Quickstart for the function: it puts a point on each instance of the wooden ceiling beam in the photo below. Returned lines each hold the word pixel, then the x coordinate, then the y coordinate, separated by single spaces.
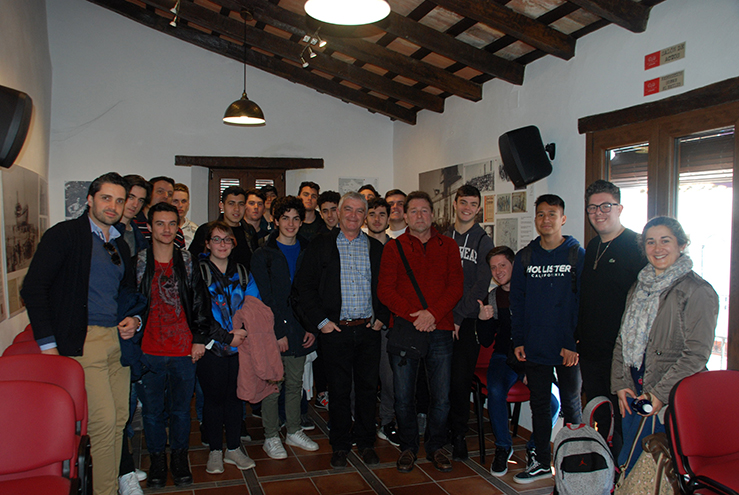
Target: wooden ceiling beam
pixel 242 162
pixel 272 65
pixel 362 50
pixel 625 13
pixel 450 47
pixel 287 49
pixel 526 29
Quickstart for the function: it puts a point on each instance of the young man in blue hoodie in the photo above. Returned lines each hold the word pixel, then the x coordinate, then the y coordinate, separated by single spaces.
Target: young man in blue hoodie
pixel 544 307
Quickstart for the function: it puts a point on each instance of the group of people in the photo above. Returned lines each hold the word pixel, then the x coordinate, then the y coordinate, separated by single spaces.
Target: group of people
pixel 137 293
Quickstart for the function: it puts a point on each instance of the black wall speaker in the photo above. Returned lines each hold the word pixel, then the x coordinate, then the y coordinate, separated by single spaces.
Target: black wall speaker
pixel 524 158
pixel 15 117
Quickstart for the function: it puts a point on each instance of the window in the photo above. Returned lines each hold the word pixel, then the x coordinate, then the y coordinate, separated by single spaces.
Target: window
pixel 682 165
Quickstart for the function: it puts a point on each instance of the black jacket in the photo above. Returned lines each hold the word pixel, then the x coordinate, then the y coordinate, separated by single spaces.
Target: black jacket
pixel 190 287
pixel 55 289
pixel 318 281
pixel 272 274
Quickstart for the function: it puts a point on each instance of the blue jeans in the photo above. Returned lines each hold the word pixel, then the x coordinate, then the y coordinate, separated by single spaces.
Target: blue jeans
pixel 438 364
pixel 500 379
pixel 540 378
pixel 177 376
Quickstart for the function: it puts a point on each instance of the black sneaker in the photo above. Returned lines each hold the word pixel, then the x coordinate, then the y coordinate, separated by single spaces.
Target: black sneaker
pixel 533 473
pixel 157 477
pixel 389 433
pixel 338 459
pixel 499 467
pixel 459 448
pixel 306 424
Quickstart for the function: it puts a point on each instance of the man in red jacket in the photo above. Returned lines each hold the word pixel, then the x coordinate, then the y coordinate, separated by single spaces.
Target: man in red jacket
pixel 436 265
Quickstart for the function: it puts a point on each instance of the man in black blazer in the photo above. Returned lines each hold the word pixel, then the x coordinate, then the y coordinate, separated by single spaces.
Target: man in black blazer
pixel 337 292
pixel 80 273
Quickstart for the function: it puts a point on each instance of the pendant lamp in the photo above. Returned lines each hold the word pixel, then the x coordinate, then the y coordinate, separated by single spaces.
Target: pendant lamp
pixel 244 111
pixel 347 12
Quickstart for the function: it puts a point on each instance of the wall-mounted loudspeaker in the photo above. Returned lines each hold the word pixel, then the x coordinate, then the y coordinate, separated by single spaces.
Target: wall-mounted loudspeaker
pixel 524 156
pixel 15 117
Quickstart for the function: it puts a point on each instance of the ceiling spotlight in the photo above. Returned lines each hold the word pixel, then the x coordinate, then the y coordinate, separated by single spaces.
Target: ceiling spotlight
pixel 305 64
pixel 176 11
pixel 322 42
pixel 347 12
pixel 311 53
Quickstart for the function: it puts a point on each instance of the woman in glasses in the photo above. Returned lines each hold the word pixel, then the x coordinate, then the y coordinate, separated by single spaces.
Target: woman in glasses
pixel 226 284
pixel 666 334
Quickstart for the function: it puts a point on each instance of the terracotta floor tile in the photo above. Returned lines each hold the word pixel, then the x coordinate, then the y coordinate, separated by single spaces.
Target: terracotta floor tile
pixel 289 487
pixel 340 483
pixel 272 467
pixel 459 470
pixel 391 477
pixel 316 462
pixel 465 486
pixel 198 456
pixel 426 489
pixel 387 452
pixel 223 490
pixel 230 472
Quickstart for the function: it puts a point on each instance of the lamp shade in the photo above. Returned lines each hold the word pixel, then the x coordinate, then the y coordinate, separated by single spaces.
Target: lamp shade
pixel 347 12
pixel 243 112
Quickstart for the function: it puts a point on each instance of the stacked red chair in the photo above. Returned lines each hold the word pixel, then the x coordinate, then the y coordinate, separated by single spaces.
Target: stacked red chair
pixel 37 424
pixel 68 374
pixel 703 431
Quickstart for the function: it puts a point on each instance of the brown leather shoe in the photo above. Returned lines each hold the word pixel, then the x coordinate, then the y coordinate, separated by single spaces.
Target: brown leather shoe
pixel 440 461
pixel 406 461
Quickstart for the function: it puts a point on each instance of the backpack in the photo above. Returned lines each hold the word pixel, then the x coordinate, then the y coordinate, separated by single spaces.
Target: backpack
pixel 583 461
pixel 572 256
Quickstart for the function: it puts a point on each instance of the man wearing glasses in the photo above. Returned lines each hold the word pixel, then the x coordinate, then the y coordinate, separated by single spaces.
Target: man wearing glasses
pixel 612 262
pixel 74 291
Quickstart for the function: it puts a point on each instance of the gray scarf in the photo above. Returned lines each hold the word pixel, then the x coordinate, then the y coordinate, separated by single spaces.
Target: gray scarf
pixel 642 310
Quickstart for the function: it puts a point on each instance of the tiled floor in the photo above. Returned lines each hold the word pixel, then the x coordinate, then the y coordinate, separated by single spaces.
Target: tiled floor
pixel 309 473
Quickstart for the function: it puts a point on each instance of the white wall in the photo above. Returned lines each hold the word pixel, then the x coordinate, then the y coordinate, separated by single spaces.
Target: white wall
pixel 606 74
pixel 129 99
pixel 25 66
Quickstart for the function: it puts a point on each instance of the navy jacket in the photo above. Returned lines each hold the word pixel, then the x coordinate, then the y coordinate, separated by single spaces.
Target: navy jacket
pixel 272 274
pixel 544 308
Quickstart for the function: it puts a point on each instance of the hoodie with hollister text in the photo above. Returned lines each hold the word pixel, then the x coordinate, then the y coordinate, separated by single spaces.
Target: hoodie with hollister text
pixel 544 307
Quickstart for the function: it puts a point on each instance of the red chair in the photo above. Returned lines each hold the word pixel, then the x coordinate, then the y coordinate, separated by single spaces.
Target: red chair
pixel 703 430
pixel 25 336
pixel 68 374
pixel 518 394
pixel 29 347
pixel 38 439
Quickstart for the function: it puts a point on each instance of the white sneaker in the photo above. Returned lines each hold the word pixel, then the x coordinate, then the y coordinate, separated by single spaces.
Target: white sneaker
pixel 301 440
pixel 215 462
pixel 128 484
pixel 141 475
pixel 239 459
pixel 273 447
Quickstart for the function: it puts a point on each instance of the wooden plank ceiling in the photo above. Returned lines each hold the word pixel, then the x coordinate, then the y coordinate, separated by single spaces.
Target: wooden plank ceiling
pixel 425 52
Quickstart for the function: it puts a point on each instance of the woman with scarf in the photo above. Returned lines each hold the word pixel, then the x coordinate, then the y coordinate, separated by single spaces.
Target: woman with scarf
pixel 226 283
pixel 667 330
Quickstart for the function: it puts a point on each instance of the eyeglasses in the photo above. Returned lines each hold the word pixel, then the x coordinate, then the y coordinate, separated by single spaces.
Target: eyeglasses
pixel 604 207
pixel 220 240
pixel 114 256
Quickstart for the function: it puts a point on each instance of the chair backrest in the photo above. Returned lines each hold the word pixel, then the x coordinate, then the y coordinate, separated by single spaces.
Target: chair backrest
pixel 62 371
pixel 29 347
pixel 25 336
pixel 38 430
pixel 483 361
pixel 699 403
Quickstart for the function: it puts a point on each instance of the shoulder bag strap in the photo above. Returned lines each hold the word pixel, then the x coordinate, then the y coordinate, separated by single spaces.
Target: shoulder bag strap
pixel 409 272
